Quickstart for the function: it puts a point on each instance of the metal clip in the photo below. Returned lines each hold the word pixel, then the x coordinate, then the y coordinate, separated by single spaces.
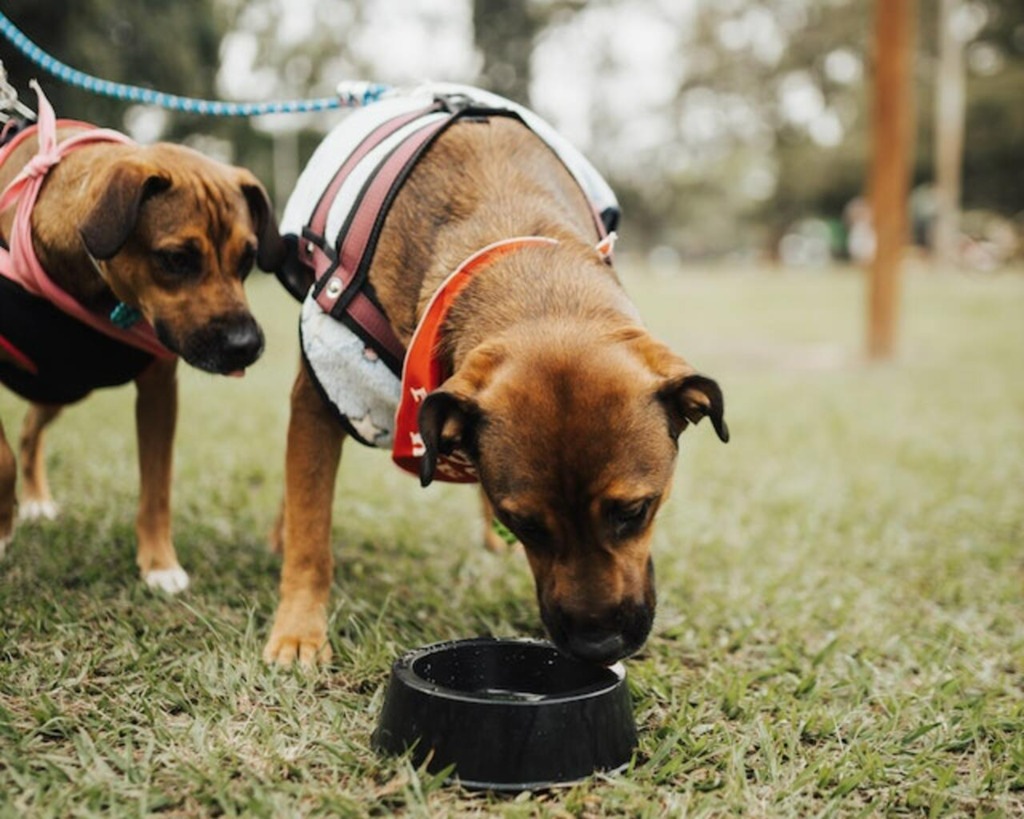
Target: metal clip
pixel 454 103
pixel 9 99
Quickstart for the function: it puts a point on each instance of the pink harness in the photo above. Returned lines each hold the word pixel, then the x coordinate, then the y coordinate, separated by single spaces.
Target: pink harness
pixel 20 263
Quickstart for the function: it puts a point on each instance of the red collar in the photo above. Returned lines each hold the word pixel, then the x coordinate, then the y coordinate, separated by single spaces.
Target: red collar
pixel 423 372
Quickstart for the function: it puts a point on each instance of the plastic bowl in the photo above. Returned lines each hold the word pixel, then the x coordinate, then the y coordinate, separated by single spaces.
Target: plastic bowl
pixel 508 714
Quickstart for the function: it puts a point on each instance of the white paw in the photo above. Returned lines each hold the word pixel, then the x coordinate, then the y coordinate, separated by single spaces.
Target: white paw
pixel 171 581
pixel 38 510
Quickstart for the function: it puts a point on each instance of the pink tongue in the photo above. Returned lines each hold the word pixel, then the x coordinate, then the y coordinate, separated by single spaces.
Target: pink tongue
pixel 237 374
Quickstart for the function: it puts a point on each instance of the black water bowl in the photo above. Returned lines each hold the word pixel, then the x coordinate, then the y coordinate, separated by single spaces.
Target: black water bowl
pixel 508 714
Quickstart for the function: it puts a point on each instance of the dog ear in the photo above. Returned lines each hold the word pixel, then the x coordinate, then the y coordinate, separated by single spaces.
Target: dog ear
pixel 271 250
pixel 446 421
pixel 450 415
pixel 688 398
pixel 686 395
pixel 112 219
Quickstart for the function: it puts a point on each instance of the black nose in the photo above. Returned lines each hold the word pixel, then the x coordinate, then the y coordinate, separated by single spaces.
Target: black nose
pixel 597 646
pixel 601 637
pixel 242 342
pixel 224 345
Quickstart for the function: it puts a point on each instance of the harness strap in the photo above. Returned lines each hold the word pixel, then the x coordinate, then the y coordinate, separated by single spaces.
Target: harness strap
pixel 318 222
pixel 340 280
pixel 356 234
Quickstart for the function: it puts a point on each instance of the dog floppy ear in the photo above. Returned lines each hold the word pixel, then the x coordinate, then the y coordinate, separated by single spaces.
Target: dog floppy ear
pixel 446 422
pixel 688 398
pixel 449 416
pixel 686 395
pixel 112 219
pixel 270 251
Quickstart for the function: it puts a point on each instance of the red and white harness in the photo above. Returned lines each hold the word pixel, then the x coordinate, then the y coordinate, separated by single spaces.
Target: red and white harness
pixel 341 269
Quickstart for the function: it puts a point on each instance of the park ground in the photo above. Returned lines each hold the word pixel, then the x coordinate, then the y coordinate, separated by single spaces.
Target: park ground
pixel 841 620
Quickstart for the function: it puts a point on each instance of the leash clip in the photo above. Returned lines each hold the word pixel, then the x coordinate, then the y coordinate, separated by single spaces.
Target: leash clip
pixel 454 103
pixel 9 99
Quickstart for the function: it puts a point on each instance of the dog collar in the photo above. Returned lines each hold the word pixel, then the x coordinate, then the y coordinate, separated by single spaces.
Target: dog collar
pixel 423 372
pixel 123 315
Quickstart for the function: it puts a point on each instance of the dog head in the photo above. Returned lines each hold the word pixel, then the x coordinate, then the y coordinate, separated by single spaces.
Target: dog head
pixel 574 435
pixel 175 234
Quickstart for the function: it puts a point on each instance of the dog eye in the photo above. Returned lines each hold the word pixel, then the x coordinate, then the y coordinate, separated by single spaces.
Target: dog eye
pixel 181 263
pixel 629 519
pixel 246 262
pixel 527 529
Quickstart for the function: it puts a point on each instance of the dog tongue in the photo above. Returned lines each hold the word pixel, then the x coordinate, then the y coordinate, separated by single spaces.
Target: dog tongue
pixel 237 374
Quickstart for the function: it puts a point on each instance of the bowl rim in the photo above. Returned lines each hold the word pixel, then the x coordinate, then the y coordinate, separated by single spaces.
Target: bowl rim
pixel 402 670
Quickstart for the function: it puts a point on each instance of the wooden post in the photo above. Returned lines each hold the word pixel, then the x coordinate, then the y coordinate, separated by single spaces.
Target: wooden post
pixel 891 151
pixel 950 113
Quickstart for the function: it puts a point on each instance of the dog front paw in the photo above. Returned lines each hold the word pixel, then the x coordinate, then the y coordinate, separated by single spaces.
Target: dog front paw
pixel 38 510
pixel 4 540
pixel 171 581
pixel 297 636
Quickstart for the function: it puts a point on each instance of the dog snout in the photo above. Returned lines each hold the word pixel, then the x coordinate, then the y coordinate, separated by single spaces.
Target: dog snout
pixel 597 645
pixel 224 345
pixel 604 638
pixel 243 341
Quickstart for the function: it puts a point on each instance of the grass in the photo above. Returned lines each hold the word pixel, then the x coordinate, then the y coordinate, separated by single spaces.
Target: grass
pixel 841 620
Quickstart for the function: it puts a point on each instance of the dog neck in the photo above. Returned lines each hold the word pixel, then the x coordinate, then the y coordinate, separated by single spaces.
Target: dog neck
pixel 536 290
pixel 60 209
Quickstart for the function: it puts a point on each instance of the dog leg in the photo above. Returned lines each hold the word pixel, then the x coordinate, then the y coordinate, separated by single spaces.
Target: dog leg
pixel 36 502
pixel 156 412
pixel 311 466
pixel 277 532
pixel 8 502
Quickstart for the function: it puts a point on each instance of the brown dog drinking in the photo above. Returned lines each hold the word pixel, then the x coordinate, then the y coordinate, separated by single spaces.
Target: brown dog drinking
pixel 117 260
pixel 549 390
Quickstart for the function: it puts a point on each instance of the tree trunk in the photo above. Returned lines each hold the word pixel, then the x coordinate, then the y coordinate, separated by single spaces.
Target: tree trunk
pixel 950 111
pixel 891 148
pixel 504 32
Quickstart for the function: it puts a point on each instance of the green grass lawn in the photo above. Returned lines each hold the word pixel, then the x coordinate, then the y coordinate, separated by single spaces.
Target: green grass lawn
pixel 841 619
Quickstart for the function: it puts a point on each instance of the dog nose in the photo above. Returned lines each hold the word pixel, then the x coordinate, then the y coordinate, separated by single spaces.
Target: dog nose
pixel 242 342
pixel 224 345
pixel 599 636
pixel 597 645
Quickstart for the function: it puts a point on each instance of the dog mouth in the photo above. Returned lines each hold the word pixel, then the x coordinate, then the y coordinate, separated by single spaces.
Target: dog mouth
pixel 224 346
pixel 604 641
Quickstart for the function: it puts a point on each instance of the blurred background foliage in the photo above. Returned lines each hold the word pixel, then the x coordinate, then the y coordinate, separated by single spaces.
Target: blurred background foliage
pixel 728 127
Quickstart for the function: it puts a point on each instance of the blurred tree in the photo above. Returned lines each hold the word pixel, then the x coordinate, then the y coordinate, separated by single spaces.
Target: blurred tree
pixel 719 123
pixel 172 47
pixel 767 120
pixel 993 174
pixel 504 33
pixel 950 116
pixel 892 146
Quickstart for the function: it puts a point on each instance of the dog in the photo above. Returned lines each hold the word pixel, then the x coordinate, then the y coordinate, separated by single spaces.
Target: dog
pixel 129 258
pixel 551 393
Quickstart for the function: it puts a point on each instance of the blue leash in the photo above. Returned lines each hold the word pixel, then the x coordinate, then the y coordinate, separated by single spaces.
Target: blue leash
pixel 356 94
